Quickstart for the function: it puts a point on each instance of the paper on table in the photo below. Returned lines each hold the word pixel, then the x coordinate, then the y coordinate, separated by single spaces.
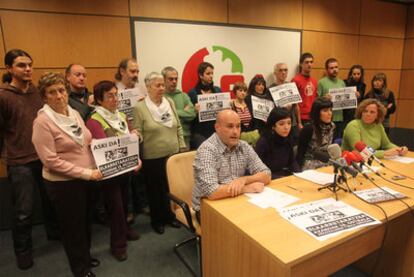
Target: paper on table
pixel 366 170
pixel 316 177
pixel 326 218
pixel 271 198
pixel 404 160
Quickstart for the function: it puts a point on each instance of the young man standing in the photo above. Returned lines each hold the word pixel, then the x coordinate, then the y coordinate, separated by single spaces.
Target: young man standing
pixel 19 104
pixel 307 86
pixel 328 82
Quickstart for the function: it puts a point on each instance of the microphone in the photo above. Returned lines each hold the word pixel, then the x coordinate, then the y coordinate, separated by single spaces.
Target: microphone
pixel 360 159
pixel 352 159
pixel 368 152
pixel 339 162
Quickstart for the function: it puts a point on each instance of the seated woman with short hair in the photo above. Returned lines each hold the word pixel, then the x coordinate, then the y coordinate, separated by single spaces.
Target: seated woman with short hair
pixel 368 128
pixel 316 137
pixel 275 146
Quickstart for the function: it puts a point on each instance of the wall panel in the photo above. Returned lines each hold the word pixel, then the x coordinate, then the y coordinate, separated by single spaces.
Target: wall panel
pixel 393 79
pixel 94 74
pixel 382 18
pixel 198 10
pixel 107 7
pixel 405 117
pixel 381 53
pixel 55 40
pixel 408 59
pixel 331 15
pixel 407 84
pixel 271 13
pixel 410 22
pixel 326 45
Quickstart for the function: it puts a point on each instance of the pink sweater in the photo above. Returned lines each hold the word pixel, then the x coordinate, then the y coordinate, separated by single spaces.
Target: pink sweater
pixel 62 158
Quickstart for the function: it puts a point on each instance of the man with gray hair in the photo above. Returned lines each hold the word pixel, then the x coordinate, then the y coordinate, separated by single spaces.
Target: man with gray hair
pixel 226 166
pixel 182 101
pixel 280 71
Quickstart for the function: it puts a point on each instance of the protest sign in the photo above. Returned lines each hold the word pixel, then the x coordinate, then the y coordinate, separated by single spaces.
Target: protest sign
pixel 211 104
pixel 343 98
pixel 326 218
pixel 285 94
pixel 116 155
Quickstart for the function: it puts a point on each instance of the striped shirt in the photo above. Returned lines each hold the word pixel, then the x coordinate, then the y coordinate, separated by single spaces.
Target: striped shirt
pixel 244 115
pixel 216 165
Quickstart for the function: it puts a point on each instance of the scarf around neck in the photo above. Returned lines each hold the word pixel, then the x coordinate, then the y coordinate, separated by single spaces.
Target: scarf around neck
pixel 163 113
pixel 69 124
pixel 115 120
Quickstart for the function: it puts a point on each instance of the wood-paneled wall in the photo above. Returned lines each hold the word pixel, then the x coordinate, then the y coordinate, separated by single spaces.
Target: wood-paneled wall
pixel 405 116
pixel 97 33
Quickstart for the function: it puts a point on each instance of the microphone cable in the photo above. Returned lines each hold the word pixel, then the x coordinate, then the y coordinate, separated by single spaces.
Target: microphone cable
pixel 395 172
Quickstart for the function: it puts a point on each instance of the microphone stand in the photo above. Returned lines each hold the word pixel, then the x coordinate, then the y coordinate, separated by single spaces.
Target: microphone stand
pixel 335 186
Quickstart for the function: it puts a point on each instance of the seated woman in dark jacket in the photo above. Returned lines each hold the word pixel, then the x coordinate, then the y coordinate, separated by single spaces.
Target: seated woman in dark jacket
pixel 275 146
pixel 316 137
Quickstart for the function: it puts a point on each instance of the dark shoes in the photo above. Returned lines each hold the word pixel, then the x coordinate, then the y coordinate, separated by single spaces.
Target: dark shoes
pixel 132 235
pixel 175 223
pixel 120 256
pixel 158 228
pixel 24 261
pixel 89 274
pixel 94 262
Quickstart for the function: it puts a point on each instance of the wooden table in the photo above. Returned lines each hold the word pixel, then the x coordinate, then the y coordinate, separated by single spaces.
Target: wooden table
pixel 241 239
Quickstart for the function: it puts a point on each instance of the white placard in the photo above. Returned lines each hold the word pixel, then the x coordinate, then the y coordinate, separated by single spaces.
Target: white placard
pixel 116 155
pixel 404 160
pixel 261 108
pixel 343 98
pixel 285 94
pixel 271 198
pixel 376 195
pixel 316 177
pixel 326 218
pixel 211 104
pixel 127 99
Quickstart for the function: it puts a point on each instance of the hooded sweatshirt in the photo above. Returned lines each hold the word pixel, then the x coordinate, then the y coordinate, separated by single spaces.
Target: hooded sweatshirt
pixel 17 113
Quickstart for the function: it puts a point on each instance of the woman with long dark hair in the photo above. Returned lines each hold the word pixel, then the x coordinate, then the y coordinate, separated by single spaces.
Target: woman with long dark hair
pixel 317 136
pixel 275 146
pixel 257 88
pixel 355 79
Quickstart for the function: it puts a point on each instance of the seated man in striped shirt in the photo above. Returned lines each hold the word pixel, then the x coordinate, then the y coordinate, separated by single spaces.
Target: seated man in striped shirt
pixel 225 166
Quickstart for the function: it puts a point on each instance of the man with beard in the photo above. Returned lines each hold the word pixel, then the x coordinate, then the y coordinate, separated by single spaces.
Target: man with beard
pixel 328 82
pixel 127 78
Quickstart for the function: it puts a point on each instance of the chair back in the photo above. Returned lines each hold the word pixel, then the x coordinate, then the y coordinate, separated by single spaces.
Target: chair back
pixel 180 175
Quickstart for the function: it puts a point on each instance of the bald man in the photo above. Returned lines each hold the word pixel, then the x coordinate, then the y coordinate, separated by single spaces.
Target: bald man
pixel 222 161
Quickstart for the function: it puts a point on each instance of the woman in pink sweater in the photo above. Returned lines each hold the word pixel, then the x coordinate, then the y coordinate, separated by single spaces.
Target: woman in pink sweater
pixel 62 141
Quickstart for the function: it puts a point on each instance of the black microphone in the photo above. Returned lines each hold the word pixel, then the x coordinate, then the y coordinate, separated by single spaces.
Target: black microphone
pixel 339 163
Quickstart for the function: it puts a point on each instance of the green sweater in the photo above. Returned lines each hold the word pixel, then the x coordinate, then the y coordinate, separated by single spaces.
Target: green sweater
pixel 157 140
pixel 181 101
pixel 371 134
pixel 324 85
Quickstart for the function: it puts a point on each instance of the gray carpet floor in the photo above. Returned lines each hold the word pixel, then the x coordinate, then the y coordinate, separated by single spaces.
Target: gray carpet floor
pixel 152 255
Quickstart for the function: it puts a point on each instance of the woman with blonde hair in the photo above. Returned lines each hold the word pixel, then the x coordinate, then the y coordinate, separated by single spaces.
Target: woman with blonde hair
pixel 367 127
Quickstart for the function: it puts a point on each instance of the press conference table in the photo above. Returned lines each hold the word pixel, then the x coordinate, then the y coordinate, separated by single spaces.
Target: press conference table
pixel 241 239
